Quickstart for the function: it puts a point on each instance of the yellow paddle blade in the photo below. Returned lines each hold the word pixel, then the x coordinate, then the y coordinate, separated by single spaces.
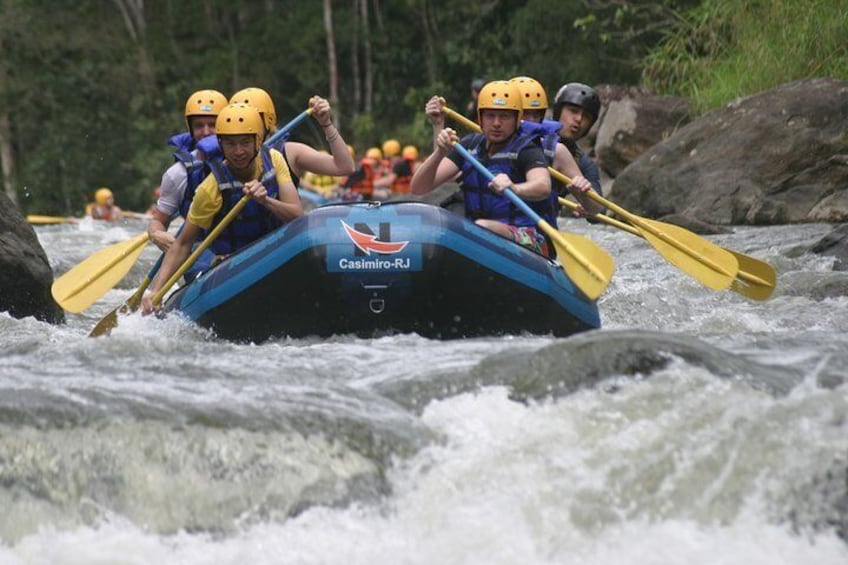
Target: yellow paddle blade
pixel 110 320
pixel 48 220
pixel 83 285
pixel 703 260
pixel 588 266
pixel 756 279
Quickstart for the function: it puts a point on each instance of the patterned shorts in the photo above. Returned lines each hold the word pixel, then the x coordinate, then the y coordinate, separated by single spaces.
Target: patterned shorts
pixel 530 238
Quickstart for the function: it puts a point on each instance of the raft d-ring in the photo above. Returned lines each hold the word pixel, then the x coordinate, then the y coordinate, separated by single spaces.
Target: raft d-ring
pixel 377 305
pixel 374 203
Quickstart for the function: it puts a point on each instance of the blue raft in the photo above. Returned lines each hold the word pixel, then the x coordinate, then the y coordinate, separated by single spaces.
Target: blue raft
pixel 372 269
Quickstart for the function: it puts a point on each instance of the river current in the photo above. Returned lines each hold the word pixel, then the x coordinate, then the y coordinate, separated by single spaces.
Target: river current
pixel 695 427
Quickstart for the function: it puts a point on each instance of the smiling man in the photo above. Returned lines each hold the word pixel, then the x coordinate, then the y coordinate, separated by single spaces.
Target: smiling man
pixel 517 161
pixel 248 169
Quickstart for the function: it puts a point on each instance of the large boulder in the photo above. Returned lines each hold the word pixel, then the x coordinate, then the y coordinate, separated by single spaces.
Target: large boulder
pixel 25 274
pixel 778 157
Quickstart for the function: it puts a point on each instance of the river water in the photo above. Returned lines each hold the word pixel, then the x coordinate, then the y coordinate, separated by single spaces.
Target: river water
pixel 696 427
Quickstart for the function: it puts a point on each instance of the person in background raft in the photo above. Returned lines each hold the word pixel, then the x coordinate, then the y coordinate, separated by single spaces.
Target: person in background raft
pixel 181 180
pixel 577 107
pixel 404 169
pixel 517 162
pixel 103 207
pixel 391 157
pixel 298 156
pixel 535 103
pixel 248 169
pixel 361 185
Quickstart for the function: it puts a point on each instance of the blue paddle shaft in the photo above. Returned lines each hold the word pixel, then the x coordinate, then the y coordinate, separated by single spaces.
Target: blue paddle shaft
pixel 489 176
pixel 288 127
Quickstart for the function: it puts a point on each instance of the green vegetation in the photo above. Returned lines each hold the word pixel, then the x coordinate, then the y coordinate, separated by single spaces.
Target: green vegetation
pixel 725 49
pixel 90 90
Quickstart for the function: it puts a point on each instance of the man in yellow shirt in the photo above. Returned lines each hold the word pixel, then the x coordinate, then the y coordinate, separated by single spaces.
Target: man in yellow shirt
pixel 248 169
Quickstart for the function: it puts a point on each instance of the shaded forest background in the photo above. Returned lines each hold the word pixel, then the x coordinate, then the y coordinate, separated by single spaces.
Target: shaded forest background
pixel 90 90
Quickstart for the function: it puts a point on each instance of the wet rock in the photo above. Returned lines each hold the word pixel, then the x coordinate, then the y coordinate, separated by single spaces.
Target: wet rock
pixel 25 274
pixel 834 244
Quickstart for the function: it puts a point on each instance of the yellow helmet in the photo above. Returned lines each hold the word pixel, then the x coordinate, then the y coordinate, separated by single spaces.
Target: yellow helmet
pixel 391 148
pixel 351 150
pixel 240 119
pixel 204 103
pixel 533 96
pixel 410 152
pixel 499 95
pixel 261 100
pixel 102 196
pixel 374 153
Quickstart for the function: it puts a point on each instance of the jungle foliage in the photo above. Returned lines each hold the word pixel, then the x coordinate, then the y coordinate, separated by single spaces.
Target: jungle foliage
pixel 91 90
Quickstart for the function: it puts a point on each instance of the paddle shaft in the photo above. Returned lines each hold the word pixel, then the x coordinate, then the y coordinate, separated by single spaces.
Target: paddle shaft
pixel 47 220
pixel 204 245
pixel 288 127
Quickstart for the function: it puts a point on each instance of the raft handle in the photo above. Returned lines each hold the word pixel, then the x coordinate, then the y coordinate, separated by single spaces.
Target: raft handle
pixel 377 305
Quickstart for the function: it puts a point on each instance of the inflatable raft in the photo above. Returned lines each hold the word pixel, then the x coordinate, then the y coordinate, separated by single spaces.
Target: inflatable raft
pixel 372 269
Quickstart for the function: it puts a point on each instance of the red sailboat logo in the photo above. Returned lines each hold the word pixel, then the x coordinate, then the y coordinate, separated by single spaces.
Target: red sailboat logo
pixel 367 242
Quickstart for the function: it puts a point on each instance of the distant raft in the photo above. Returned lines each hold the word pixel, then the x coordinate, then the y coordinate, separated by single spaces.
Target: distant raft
pixel 372 269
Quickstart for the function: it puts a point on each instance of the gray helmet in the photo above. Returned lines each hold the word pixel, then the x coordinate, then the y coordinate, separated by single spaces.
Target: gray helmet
pixel 580 95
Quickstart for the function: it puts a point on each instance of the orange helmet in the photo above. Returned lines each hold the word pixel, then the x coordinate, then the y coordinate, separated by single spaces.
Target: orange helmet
pixel 499 95
pixel 391 148
pixel 533 96
pixel 374 153
pixel 260 100
pixel 204 103
pixel 410 152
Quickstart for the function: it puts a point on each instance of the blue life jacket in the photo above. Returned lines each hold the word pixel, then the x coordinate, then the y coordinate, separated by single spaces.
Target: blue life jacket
pixel 254 221
pixel 196 171
pixel 547 131
pixel 182 141
pixel 480 201
pixel 211 149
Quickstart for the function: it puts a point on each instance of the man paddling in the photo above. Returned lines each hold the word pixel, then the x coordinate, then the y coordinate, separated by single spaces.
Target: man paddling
pixel 182 178
pixel 103 207
pixel 248 169
pixel 517 162
pixel 577 107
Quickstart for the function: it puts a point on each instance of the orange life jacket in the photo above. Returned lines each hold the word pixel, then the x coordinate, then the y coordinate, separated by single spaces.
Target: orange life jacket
pixel 364 179
pixel 403 177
